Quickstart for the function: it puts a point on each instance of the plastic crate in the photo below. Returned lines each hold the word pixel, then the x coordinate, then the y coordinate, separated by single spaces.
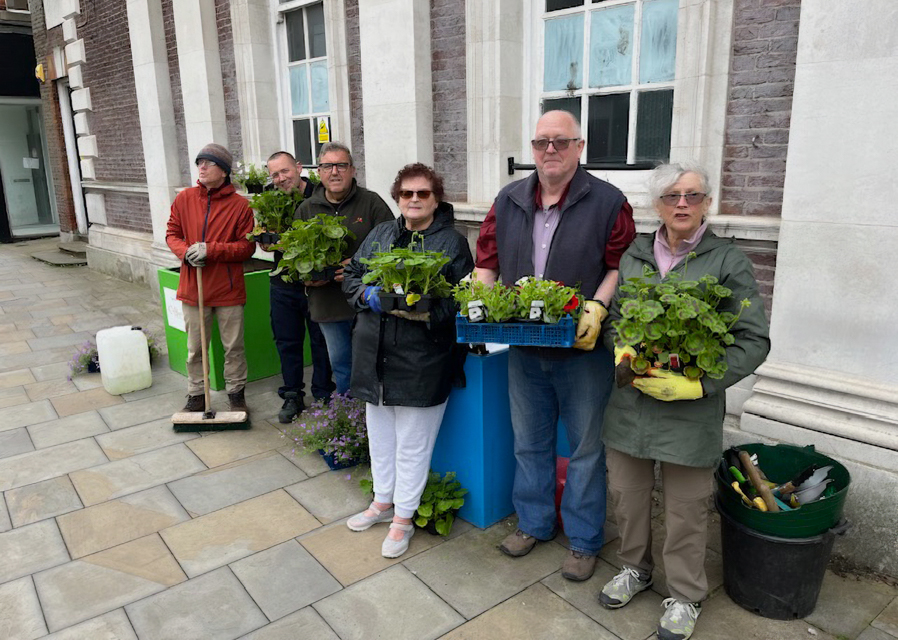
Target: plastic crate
pixel 524 334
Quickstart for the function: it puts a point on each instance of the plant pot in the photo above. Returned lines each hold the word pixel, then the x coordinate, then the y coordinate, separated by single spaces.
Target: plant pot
pixel 335 465
pixel 396 302
pixel 268 238
pixel 93 366
pixel 328 273
pixel 254 188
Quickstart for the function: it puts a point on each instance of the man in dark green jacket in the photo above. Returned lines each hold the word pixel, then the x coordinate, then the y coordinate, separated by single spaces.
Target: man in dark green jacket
pixel 340 195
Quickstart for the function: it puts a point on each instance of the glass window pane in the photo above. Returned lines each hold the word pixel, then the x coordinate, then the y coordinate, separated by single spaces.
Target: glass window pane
pixel 555 5
pixel 609 124
pixel 564 54
pixel 319 86
pixel 299 90
pixel 653 118
pixel 658 54
pixel 611 46
pixel 317 45
pixel 571 105
pixel 302 141
pixel 296 39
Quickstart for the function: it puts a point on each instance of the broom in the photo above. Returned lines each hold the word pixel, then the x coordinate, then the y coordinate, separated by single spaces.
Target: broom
pixel 208 420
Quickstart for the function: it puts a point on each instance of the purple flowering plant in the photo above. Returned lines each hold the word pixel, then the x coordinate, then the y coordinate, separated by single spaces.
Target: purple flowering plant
pixel 84 360
pixel 337 428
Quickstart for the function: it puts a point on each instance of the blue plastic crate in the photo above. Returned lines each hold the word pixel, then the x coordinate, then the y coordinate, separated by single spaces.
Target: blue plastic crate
pixel 525 334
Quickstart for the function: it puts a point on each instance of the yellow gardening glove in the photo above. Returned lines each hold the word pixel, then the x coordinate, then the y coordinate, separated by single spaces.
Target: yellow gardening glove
pixel 590 324
pixel 668 386
pixel 619 354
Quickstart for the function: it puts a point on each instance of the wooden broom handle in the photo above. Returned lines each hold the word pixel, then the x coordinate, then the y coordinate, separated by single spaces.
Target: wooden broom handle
pixel 199 289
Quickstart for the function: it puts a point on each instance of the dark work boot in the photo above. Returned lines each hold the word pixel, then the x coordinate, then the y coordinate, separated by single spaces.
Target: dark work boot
pixel 293 406
pixel 195 403
pixel 237 401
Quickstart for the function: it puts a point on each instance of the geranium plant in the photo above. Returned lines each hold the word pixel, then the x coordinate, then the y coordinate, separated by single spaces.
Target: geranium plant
pixel 336 428
pixel 411 271
pixel 441 500
pixel 312 246
pixel 675 323
pixel 273 211
pixel 249 176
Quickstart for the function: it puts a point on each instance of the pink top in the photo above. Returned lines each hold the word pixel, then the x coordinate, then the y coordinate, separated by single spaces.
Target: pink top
pixel 663 256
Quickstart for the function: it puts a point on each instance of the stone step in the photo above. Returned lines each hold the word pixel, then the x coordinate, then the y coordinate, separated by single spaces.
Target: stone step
pixel 60 258
pixel 76 248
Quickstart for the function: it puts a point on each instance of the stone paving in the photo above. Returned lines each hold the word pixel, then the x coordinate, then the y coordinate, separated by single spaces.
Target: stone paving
pixel 112 526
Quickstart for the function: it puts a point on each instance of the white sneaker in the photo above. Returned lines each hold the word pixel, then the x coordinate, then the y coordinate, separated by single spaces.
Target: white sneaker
pixel 361 522
pixel 678 622
pixel 621 588
pixel 395 548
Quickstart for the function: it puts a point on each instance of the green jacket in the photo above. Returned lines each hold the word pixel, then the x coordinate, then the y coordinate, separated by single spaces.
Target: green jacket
pixel 688 432
pixel 363 210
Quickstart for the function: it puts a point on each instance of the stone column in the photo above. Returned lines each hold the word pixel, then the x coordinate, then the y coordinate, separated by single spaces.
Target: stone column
pixel 396 84
pixel 831 378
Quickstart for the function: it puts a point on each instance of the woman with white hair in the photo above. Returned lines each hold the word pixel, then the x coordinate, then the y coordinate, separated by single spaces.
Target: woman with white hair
pixel 665 416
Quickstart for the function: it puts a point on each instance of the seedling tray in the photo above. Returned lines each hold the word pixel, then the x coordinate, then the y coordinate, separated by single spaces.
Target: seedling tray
pixel 268 238
pixel 524 334
pixel 396 302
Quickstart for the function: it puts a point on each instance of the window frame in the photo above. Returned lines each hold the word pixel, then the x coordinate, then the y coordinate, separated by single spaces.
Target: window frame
pixel 26 10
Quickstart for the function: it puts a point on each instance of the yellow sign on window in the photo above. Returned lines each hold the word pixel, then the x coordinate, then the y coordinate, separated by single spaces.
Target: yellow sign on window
pixel 324 131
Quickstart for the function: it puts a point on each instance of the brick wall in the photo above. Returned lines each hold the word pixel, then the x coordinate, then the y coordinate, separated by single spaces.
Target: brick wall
pixel 128 211
pixel 762 75
pixel 450 124
pixel 229 76
pixel 174 73
pixel 354 59
pixel 57 161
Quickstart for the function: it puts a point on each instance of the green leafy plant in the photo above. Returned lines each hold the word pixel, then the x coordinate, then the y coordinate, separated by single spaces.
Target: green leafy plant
pixel 312 245
pixel 505 304
pixel 337 427
pixel 442 498
pixel 314 178
pixel 249 176
pixel 273 211
pixel 500 302
pixel 85 360
pixel 412 271
pixel 676 319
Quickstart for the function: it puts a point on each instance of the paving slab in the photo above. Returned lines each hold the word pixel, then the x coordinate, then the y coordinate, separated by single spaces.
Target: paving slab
pixel 52 462
pixel 121 477
pixel 302 624
pixel 36 358
pixel 871 633
pixel 75 427
pixel 163 382
pixel 14 442
pixel 333 495
pixel 42 500
pixel 235 532
pixel 49 389
pixel 351 556
pixel 141 411
pixel 109 626
pixel 16 335
pixel 13 348
pixel 213 607
pixel 84 401
pixel 32 548
pixel 22 618
pixel 312 464
pixel 47 330
pixel 130 441
pixel 16 378
pixel 5 522
pixel 112 523
pixel 472 575
pixel 23 415
pixel 265 405
pixel 12 396
pixel 536 612
pixel 229 484
pixel 846 606
pixel 284 579
pixel 382 606
pixel 116 576
pixel 50 371
pixel 54 342
pixel 87 381
pixel 888 620
pixel 227 446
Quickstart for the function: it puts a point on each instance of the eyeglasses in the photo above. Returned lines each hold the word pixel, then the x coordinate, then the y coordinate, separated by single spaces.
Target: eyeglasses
pixel 423 194
pixel 672 199
pixel 560 144
pixel 333 166
pixel 205 163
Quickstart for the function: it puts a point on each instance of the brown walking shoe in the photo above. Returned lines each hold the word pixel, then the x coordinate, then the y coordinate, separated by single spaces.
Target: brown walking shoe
pixel 195 403
pixel 578 567
pixel 237 401
pixel 519 544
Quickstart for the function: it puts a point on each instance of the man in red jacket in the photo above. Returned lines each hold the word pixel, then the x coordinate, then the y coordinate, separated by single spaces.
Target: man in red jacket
pixel 208 228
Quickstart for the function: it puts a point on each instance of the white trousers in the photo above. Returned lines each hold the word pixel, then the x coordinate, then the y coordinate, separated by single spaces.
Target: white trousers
pixel 400 441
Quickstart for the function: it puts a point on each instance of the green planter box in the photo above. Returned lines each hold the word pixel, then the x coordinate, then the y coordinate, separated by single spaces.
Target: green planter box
pixel 261 354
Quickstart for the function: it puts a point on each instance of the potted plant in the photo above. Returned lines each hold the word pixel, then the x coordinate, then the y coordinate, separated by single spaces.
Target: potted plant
pixel 674 324
pixel 85 360
pixel 409 276
pixel 441 500
pixel 250 177
pixel 313 248
pixel 336 429
pixel 545 300
pixel 273 212
pixel 479 302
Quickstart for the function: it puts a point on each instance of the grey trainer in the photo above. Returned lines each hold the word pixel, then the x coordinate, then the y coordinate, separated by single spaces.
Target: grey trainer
pixel 621 588
pixel 678 622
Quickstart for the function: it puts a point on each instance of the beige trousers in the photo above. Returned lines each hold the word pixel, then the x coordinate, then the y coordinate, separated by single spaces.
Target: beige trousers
pixel 686 493
pixel 230 326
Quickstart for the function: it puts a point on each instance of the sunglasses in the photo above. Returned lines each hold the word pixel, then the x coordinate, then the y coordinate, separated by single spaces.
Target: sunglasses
pixel 422 194
pixel 560 144
pixel 671 199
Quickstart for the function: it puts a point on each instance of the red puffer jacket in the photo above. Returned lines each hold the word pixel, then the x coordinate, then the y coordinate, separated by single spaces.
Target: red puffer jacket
pixel 221 218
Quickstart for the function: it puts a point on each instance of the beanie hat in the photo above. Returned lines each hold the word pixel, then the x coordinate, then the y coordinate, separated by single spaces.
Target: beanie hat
pixel 217 154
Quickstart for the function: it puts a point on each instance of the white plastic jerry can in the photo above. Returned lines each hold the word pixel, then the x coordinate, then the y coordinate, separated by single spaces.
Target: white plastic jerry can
pixel 124 359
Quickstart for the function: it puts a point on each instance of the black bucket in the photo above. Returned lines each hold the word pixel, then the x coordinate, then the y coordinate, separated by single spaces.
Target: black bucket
pixel 778 578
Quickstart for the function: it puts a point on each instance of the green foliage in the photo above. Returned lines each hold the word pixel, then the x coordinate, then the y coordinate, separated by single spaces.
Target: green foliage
pixel 336 427
pixel 314 178
pixel 312 245
pixel 676 316
pixel 409 270
pixel 249 175
pixel 501 303
pixel 505 304
pixel 273 211
pixel 442 497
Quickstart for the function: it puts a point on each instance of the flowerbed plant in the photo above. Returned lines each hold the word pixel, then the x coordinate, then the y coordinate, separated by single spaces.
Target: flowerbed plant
pixel 250 177
pixel 675 323
pixel 530 299
pixel 412 271
pixel 87 359
pixel 336 428
pixel 273 211
pixel 312 245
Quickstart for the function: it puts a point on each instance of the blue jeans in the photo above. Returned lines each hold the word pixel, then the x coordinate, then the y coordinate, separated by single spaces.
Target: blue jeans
pixel 289 319
pixel 541 391
pixel 339 347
